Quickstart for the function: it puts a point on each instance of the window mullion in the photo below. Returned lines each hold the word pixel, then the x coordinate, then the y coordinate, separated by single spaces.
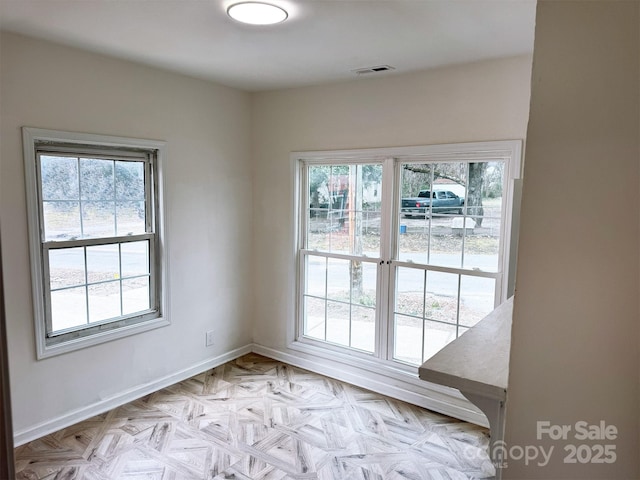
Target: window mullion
pixel 89 242
pixel 39 194
pixel 120 277
pixel 149 182
pixel 303 205
pixel 458 305
pixel 464 218
pixel 388 241
pixel 454 270
pixel 80 199
pixel 154 284
pixel 47 289
pixel 340 256
pixel 74 151
pixel 326 297
pixel 115 199
pixel 424 313
pixel 86 284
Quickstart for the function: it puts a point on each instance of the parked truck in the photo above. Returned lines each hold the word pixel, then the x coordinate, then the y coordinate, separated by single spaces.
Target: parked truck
pixel 428 202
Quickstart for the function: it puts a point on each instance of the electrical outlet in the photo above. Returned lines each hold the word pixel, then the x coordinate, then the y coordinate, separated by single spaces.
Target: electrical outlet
pixel 210 339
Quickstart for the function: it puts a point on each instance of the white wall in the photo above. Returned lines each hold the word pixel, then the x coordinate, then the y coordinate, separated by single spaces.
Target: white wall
pixel 208 194
pixel 482 101
pixel 575 348
pixel 576 339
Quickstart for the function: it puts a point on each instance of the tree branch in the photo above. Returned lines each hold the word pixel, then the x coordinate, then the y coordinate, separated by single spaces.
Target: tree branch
pixel 436 174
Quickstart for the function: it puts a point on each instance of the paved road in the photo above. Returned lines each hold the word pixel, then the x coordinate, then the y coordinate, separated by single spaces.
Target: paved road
pixel 477 292
pixel 102 259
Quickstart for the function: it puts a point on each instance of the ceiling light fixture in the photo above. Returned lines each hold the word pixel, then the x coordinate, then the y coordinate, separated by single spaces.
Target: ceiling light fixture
pixel 257 13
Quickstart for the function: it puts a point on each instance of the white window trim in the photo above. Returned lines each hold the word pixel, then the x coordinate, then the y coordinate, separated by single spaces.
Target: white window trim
pixel 509 149
pixel 31 136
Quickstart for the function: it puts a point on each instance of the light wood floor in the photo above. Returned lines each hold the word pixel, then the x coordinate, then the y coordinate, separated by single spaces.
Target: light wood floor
pixel 256 418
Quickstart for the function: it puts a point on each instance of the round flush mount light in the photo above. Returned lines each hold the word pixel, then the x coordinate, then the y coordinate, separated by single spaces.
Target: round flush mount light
pixel 257 13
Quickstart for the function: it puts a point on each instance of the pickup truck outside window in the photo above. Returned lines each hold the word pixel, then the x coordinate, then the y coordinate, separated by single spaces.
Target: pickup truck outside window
pixel 428 203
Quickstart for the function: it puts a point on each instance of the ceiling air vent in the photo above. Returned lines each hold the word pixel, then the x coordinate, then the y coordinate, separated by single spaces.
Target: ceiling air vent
pixel 376 69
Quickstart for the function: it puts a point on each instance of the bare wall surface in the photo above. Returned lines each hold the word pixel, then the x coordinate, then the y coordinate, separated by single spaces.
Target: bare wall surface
pixel 474 102
pixel 574 354
pixel 208 195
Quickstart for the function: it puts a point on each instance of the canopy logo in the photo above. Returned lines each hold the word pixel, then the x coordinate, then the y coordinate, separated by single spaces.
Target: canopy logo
pixel 582 443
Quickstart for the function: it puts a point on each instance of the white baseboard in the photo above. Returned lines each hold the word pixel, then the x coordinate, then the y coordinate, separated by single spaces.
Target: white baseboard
pixel 384 381
pixel 432 397
pixel 63 421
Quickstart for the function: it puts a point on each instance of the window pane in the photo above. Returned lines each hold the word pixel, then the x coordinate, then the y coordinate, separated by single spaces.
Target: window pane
pixel 449 185
pixel 442 297
pixel 408 339
pixel 436 336
pixel 338 279
pixel 367 201
pixel 104 301
pixel 413 241
pixel 319 231
pixel 477 298
pixel 339 235
pixel 129 180
pixel 68 308
pixel 130 218
pixel 316 271
pixel 363 330
pixel 66 267
pixel 135 295
pixel 350 236
pixel 96 179
pixel 103 263
pixel 98 219
pixel 59 178
pixel 134 258
pixel 318 201
pixel 371 232
pixel 482 243
pixel 446 248
pixel 338 327
pixel 344 208
pixel 410 291
pixel 432 200
pixel 482 240
pixel 363 283
pixel 485 189
pixel 314 317
pixel 61 220
pixel 416 178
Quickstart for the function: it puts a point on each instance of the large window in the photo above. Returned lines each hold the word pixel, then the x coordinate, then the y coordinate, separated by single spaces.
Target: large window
pixel 95 227
pixel 402 250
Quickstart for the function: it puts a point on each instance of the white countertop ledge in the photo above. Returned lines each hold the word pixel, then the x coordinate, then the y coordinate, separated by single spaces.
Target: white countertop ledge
pixel 477 362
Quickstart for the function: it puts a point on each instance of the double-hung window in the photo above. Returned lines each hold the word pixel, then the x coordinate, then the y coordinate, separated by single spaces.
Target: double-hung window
pixel 402 250
pixel 95 218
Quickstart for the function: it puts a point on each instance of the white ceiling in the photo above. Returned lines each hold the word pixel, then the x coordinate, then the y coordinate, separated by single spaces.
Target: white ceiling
pixel 322 40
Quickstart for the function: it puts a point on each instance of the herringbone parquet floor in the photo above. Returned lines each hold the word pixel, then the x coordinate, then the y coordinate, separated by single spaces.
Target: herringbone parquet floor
pixel 256 418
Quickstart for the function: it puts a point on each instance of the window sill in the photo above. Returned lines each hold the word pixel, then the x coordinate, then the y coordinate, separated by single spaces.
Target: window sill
pixel 46 351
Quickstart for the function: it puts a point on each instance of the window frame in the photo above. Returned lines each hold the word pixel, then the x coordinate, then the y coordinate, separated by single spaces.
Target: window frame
pixel 37 142
pixel 509 150
pixel 302 161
